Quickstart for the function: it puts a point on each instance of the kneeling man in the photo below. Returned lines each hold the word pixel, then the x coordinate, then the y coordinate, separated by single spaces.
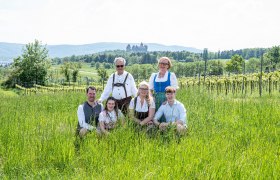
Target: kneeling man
pixel 174 112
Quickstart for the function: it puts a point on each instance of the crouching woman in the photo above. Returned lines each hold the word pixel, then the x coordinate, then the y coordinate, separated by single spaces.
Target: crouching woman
pixel 142 107
pixel 109 117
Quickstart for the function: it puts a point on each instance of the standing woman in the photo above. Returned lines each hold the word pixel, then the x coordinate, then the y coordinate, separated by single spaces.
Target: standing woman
pixel 159 81
pixel 109 116
pixel 142 107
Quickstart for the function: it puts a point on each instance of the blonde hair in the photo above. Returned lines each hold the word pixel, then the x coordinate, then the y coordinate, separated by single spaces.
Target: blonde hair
pixel 165 58
pixel 148 96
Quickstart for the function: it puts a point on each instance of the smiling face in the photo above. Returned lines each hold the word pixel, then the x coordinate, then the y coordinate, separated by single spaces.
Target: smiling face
pixel 110 105
pixel 170 94
pixel 143 90
pixel 91 95
pixel 120 67
pixel 163 65
pixel 170 97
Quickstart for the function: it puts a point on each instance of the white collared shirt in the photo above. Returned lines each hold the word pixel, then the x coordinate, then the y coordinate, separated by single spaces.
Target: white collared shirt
pixel 107 117
pixel 81 117
pixel 118 92
pixel 173 80
pixel 172 113
pixel 144 107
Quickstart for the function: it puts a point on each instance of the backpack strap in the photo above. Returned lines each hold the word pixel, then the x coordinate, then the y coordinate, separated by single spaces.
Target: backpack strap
pixel 113 81
pixel 120 84
pixel 124 84
pixel 135 101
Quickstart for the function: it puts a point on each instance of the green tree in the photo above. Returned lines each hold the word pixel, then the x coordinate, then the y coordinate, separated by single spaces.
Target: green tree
pixel 274 56
pixel 253 65
pixel 205 58
pixel 97 65
pixel 103 75
pixel 179 69
pixel 107 65
pixel 75 70
pixel 235 64
pixel 136 71
pixel 31 67
pixel 215 68
pixel 65 70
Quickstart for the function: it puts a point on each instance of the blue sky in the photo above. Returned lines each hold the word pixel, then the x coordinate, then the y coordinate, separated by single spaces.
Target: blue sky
pixel 215 24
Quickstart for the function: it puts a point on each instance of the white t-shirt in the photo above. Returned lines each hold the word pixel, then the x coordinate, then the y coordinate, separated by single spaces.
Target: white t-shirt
pixel 140 108
pixel 109 117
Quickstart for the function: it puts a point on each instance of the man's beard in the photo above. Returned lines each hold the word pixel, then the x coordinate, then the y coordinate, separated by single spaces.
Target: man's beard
pixel 91 99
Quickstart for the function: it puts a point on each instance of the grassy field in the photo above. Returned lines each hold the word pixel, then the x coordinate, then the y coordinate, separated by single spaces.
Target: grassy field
pixel 229 138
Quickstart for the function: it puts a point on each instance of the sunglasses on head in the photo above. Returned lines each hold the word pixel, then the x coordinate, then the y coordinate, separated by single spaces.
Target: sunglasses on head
pixel 118 66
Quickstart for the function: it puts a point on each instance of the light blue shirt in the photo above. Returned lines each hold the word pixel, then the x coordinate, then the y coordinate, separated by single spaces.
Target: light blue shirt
pixel 172 113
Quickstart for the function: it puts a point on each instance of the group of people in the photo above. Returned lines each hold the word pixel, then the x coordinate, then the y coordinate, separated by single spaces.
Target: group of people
pixel 153 104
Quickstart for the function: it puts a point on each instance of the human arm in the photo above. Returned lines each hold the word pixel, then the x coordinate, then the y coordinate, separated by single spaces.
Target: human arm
pixel 158 115
pixel 152 109
pixel 107 90
pixel 81 119
pixel 151 82
pixel 131 111
pixel 102 119
pixel 149 118
pixel 174 81
pixel 182 115
pixel 134 89
pixel 102 128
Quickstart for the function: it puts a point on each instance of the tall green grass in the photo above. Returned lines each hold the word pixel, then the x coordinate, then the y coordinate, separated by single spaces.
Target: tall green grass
pixel 228 137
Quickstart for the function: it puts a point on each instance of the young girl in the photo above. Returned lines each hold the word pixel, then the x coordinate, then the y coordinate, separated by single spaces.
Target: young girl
pixel 109 116
pixel 142 107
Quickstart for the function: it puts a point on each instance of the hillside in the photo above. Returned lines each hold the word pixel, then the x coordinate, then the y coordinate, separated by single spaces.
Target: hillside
pixel 9 51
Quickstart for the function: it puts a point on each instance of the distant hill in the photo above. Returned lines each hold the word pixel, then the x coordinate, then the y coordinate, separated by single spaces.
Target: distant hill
pixel 8 51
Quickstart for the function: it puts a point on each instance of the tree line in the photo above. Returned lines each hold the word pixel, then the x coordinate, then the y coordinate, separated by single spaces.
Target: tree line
pixel 32 66
pixel 151 57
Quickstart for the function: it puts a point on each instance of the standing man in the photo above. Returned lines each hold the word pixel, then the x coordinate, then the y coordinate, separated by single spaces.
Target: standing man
pixel 121 85
pixel 88 113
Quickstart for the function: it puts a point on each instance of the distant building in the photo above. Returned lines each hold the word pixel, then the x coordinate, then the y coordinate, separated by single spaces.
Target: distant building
pixel 137 49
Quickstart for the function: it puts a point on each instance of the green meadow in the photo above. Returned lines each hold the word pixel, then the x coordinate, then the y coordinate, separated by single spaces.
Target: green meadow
pixel 229 137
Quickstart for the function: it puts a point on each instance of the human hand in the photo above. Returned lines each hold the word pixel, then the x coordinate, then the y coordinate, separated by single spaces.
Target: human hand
pixel 156 123
pixel 142 123
pixel 163 126
pixel 91 128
